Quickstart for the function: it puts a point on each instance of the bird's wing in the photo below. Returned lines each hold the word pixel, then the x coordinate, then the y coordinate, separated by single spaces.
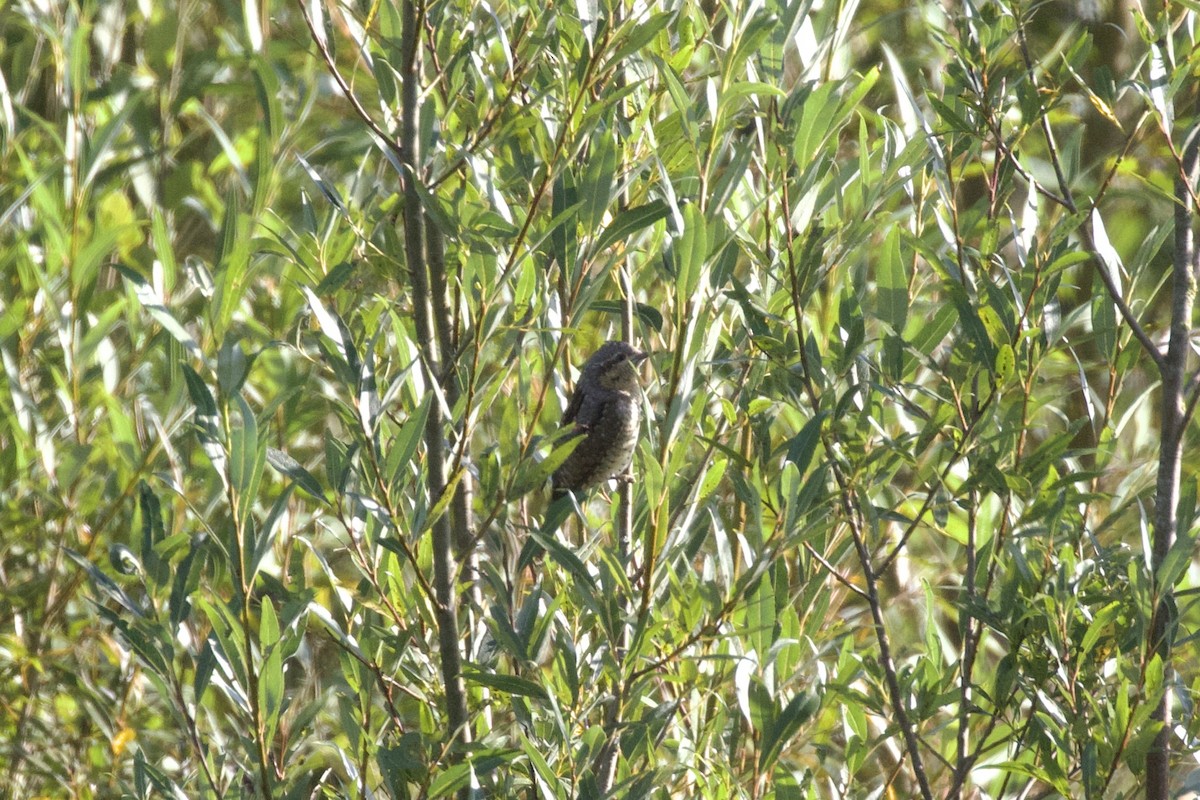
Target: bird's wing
pixel 588 408
pixel 573 407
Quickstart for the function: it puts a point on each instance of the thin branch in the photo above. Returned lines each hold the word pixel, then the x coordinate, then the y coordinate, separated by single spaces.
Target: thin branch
pixel 959 448
pixel 606 760
pixel 1114 292
pixel 853 514
pixel 361 112
pixel 1043 117
pixel 832 570
pixel 1192 392
pixel 1068 201
pixel 1173 415
pixel 446 607
pixel 970 643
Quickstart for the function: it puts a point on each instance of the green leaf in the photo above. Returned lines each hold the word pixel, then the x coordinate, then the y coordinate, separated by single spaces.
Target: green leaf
pixel 803 445
pixel 630 221
pixel 153 303
pixel 509 684
pixel 246 461
pixel 106 585
pixel 891 279
pixel 760 617
pixel 233 266
pixel 799 710
pixel 292 468
pixel 996 331
pixel 1005 364
pixel 691 251
pixel 1098 627
pixel 450 780
pixel 650 315
pixel 596 187
pixel 549 780
pixel 270 678
pixel 207 422
pixel 1177 560
pixel 563 235
pixel 637 34
pixel 817 118
pixel 531 475
pixel 232 367
pixel 679 97
pixel 404 763
pixel 157 570
pixel 227 651
pixel 331 326
pixel 404 445
pixel 850 319
pixel 185 581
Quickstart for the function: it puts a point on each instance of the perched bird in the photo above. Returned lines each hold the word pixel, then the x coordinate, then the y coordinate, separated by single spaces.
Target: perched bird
pixel 604 410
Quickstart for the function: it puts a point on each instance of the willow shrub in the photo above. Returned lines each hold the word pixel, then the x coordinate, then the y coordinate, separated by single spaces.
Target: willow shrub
pixel 892 496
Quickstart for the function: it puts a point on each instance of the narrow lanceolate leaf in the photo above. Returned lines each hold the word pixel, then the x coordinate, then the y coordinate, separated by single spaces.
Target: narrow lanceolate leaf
pixel 368 389
pixel 153 303
pixel 246 461
pixel 106 585
pixel 1004 364
pixel 596 188
pixel 816 121
pixel 1109 257
pixel 510 684
pixel 785 725
pixel 232 366
pixel 289 466
pixel 691 250
pixel 891 279
pixel 264 533
pixel 270 678
pixel 630 221
pixel 328 323
pixel 1178 559
pixel 450 780
pixel 1159 85
pixel 804 444
pixel 207 422
pixel 404 444
pixel 331 193
pixel 646 314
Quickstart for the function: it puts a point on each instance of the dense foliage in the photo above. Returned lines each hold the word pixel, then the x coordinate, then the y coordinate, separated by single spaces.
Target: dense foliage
pixel 274 350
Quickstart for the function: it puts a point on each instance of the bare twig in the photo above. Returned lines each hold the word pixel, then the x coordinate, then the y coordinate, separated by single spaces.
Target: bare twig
pixel 331 65
pixel 1114 293
pixel 853 514
pixel 832 570
pixel 1066 198
pixel 606 760
pixel 1173 417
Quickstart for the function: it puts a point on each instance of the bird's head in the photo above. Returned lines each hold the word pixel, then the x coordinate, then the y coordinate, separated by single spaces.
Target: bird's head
pixel 614 366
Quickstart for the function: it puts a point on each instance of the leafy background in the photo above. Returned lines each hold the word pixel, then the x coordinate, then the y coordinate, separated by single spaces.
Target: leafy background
pixel 891 522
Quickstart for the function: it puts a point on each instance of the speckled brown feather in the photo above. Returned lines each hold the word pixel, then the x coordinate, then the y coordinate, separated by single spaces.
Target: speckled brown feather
pixel 605 409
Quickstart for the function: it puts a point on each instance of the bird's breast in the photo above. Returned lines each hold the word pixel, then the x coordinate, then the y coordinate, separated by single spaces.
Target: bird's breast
pixel 607 449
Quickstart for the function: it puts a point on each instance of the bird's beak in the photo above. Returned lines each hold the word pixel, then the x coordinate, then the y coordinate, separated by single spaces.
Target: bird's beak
pixel 638 358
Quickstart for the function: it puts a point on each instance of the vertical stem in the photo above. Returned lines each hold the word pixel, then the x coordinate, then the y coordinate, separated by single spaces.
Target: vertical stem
pixel 606 762
pixel 963 758
pixel 445 602
pixel 241 546
pixel 460 508
pixel 1166 502
pixel 854 519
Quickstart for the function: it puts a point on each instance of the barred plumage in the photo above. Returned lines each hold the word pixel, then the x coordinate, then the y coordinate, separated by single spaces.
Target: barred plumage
pixel 605 410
